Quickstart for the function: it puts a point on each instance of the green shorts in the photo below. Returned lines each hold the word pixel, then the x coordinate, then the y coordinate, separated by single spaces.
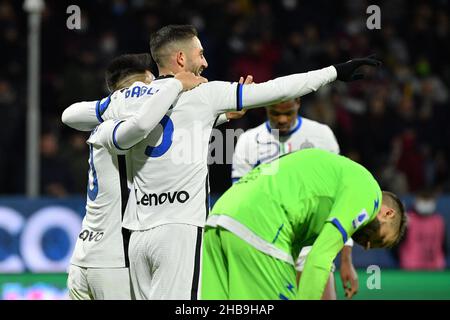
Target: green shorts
pixel 234 270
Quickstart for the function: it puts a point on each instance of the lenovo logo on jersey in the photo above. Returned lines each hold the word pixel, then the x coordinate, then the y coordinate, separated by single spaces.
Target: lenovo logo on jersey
pixel 91 235
pixel 153 199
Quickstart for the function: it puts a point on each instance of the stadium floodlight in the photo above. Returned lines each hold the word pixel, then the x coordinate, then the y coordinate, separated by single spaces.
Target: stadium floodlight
pixel 34 9
pixel 35 6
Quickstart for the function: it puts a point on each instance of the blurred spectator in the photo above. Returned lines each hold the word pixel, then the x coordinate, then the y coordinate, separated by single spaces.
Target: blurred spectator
pixel 411 161
pixel 55 178
pixel 78 152
pixel 424 242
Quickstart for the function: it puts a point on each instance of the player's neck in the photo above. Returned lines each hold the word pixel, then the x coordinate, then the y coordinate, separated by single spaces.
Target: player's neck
pixel 166 72
pixel 287 134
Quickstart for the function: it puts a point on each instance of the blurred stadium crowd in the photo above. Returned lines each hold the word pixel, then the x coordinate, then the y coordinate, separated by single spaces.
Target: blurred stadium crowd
pixel 395 123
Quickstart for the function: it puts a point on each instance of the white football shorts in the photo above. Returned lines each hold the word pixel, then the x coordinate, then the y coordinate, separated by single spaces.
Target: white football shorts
pixel 99 283
pixel 165 262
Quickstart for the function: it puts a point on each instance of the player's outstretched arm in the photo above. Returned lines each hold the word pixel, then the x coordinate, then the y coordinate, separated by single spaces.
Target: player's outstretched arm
pixel 232 115
pixel 224 96
pixel 318 264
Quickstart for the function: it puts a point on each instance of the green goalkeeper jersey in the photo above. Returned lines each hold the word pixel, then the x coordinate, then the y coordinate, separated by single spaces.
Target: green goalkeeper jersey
pixel 308 197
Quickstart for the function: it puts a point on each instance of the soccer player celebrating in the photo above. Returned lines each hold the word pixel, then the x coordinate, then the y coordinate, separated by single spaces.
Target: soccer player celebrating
pixel 257 227
pixel 284 132
pixel 169 166
pixel 99 264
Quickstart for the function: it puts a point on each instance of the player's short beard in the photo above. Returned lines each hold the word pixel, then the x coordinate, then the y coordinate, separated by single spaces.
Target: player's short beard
pixel 191 67
pixel 197 71
pixel 368 233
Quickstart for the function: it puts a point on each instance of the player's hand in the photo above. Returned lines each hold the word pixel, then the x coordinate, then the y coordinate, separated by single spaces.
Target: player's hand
pixel 189 80
pixel 349 279
pixel 231 115
pixel 248 79
pixel 347 71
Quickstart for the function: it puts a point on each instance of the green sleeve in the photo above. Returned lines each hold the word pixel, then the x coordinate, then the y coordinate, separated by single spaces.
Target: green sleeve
pixel 355 206
pixel 318 263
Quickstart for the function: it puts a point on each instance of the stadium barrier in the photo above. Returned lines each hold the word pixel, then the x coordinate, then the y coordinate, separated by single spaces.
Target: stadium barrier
pixel 37 238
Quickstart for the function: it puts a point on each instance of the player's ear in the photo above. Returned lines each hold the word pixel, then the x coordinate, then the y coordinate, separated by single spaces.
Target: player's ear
pixel 181 59
pixel 386 213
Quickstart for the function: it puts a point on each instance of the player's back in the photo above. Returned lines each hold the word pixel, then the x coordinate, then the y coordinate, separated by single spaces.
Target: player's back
pixel 100 242
pixel 292 197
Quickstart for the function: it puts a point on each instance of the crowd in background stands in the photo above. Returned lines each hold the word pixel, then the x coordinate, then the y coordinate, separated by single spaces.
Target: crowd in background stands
pixel 395 123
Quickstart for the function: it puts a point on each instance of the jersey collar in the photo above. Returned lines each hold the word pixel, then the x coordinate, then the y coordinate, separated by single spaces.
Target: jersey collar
pixel 164 77
pixel 293 130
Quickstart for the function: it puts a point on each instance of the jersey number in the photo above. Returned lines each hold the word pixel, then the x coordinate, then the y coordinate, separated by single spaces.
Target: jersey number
pixel 92 193
pixel 163 147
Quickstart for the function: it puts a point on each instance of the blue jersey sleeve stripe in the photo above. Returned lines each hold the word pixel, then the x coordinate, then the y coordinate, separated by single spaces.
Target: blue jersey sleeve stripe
pixel 97 112
pixel 338 225
pixel 114 136
pixel 239 97
pixel 101 107
pixel 104 105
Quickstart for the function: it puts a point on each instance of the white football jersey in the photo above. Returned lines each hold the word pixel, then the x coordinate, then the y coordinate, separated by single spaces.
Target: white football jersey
pixel 262 145
pixel 101 243
pixel 169 167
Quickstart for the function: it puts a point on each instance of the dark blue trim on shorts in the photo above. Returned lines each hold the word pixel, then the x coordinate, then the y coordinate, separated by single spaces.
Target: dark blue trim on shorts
pixel 196 275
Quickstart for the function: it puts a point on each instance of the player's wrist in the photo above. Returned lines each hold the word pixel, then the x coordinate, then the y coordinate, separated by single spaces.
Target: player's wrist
pixel 333 71
pixel 346 255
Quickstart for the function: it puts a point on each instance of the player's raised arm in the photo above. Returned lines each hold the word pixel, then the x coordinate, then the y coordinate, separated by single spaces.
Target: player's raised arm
pixel 225 96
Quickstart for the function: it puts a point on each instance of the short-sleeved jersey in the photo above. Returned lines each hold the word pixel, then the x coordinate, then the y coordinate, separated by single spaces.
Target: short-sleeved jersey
pixel 100 243
pixel 262 145
pixel 283 205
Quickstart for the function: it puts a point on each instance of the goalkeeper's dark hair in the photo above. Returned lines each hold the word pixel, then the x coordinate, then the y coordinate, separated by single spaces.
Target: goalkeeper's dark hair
pixel 402 219
pixel 124 66
pixel 169 35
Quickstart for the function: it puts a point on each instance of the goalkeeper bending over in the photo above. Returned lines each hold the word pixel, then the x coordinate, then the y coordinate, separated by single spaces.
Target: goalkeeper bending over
pixel 309 197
